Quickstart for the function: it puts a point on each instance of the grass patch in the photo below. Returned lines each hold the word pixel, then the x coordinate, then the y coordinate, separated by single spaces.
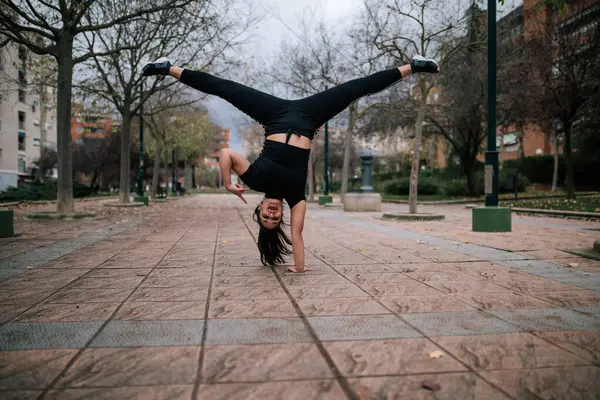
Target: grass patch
pixel 502 196
pixel 587 204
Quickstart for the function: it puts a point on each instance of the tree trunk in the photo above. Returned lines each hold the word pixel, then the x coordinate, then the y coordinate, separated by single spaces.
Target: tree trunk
pixel 311 172
pixel 414 170
pixel 155 172
pixel 555 171
pixel 314 176
pixel 347 146
pixel 125 155
pixel 469 171
pixel 520 142
pixel 568 154
pixel 187 177
pixel 64 203
pixel 166 162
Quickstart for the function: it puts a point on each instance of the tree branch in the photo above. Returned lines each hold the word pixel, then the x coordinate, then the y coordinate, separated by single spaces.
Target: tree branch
pixel 131 16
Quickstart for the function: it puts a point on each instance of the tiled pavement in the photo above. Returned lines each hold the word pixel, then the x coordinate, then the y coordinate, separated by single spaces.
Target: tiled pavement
pixel 178 306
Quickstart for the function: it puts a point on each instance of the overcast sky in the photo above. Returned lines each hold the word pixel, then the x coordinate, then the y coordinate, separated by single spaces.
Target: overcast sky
pixel 279 24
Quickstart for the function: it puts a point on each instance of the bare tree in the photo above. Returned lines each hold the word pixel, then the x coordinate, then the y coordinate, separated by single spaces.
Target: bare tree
pixel 403 28
pixel 55 29
pixel 563 59
pixel 198 33
pixel 323 60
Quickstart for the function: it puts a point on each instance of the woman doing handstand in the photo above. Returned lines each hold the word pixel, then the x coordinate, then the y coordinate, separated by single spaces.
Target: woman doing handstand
pixel 280 172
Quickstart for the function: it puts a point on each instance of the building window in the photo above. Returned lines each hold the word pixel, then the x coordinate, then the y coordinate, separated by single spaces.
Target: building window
pixel 22 96
pixel 79 130
pixel 22 165
pixel 36 142
pixel 21 141
pixel 21 120
pixel 35 105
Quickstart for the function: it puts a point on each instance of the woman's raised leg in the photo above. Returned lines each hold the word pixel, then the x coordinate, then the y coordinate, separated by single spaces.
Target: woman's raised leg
pixel 327 104
pixel 258 105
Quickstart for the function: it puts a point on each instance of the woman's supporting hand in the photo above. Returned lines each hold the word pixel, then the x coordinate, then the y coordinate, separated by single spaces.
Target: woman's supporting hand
pixel 238 190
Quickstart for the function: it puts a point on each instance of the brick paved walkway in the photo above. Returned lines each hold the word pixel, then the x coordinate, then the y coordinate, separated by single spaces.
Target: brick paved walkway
pixel 177 306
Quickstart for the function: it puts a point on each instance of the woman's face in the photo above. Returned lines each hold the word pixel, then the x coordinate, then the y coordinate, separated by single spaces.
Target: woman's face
pixel 271 212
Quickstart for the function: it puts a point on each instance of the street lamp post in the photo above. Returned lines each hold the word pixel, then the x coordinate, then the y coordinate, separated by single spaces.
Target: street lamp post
pixel 326 198
pixel 491 155
pixel 491 218
pixel 140 179
pixel 326 160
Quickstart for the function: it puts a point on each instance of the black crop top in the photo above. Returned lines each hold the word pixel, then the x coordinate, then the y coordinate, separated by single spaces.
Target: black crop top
pixel 280 172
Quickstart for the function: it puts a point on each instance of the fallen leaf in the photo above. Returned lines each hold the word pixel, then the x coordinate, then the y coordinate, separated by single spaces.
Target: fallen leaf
pixel 29 267
pixel 225 241
pixel 431 385
pixel 466 241
pixel 573 265
pixel 436 354
pixel 364 251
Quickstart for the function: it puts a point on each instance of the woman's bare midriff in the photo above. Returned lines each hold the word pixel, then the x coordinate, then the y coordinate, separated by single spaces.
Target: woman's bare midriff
pixel 297 141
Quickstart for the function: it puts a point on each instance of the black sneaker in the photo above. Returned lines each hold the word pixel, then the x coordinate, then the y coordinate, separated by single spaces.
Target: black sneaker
pixel 421 64
pixel 158 67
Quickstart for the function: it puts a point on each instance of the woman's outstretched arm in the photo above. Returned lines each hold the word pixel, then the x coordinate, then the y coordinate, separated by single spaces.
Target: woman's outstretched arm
pixel 297 226
pixel 229 160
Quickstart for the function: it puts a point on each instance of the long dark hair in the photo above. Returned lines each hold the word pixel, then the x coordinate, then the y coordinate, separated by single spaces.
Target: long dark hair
pixel 272 242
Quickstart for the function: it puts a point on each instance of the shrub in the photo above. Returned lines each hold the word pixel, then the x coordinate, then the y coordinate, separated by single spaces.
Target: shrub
pixel 401 187
pixel 457 188
pixel 41 191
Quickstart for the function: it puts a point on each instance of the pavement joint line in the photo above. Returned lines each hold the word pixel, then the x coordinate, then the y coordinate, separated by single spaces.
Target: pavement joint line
pixel 200 362
pixel 447 244
pixel 341 380
pixel 425 336
pixel 78 355
pixel 51 254
pixel 494 262
pixel 66 285
pixel 558 344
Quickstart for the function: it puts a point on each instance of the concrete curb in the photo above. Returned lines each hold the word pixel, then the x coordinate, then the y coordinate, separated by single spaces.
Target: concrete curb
pixel 467 201
pixel 78 200
pixel 413 217
pixel 50 215
pixel 124 205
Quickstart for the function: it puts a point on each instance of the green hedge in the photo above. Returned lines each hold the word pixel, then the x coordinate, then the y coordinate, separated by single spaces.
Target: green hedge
pixel 453 188
pixel 399 187
pixel 539 169
pixel 41 191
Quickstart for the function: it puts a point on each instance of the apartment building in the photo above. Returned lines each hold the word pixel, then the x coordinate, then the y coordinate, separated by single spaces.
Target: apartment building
pixel 24 128
pixel 91 123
